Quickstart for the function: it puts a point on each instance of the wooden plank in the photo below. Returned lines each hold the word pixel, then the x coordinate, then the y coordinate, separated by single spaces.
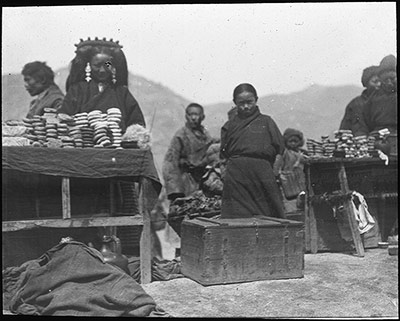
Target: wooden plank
pixel 145 239
pixel 357 161
pixel 307 204
pixel 307 243
pixel 311 227
pixel 313 231
pixel 381 209
pixel 9 226
pixel 66 198
pixel 344 186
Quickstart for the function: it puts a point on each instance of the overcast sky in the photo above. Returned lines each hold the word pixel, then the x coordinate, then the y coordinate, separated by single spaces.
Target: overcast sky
pixel 202 51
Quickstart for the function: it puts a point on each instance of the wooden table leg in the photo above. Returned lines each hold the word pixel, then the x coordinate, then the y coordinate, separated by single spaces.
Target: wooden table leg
pixel 307 244
pixel 313 230
pixel 145 239
pixel 350 212
pixel 66 198
pixel 381 210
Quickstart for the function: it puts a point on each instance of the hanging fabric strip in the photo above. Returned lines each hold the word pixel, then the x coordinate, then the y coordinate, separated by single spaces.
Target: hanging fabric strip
pixel 363 216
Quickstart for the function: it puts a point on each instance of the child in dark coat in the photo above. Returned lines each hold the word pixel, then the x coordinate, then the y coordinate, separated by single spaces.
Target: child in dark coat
pixel 292 160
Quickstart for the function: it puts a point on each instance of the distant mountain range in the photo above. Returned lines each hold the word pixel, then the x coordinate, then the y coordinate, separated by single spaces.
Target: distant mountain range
pixel 316 111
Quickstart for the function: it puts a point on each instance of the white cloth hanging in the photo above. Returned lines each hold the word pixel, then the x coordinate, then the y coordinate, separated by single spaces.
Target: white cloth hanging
pixel 363 217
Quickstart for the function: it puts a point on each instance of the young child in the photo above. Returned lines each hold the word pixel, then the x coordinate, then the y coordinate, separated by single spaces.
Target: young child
pixel 292 160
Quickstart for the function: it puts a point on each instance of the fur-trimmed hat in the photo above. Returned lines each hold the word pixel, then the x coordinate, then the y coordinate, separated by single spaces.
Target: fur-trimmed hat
pixel 388 63
pixel 368 73
pixel 289 132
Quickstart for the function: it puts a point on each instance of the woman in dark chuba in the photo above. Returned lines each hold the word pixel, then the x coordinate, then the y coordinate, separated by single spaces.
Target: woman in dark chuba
pixel 250 142
pixel 98 80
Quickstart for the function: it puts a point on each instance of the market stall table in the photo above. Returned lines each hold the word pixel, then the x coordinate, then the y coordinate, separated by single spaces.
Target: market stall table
pixel 27 166
pixel 376 181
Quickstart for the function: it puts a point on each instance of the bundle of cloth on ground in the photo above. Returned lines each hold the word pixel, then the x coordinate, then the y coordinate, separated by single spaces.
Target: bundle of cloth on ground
pixel 161 270
pixel 72 279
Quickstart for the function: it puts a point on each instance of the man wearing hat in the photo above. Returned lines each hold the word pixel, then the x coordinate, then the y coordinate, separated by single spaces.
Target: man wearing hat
pixel 381 110
pixel 353 119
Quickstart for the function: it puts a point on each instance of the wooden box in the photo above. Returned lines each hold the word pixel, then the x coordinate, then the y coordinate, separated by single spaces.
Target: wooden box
pixel 219 251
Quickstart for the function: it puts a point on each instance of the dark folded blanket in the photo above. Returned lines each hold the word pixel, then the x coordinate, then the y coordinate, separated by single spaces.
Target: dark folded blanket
pixel 72 279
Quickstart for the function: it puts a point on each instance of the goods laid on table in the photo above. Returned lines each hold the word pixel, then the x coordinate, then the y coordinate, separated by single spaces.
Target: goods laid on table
pixel 195 205
pixel 344 144
pixel 93 129
pixel 136 136
pixel 13 133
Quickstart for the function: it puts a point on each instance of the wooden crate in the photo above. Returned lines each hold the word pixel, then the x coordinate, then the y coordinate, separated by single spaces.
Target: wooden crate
pixel 219 251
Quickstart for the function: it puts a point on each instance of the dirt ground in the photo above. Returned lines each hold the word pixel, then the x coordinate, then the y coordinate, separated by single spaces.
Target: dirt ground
pixel 335 285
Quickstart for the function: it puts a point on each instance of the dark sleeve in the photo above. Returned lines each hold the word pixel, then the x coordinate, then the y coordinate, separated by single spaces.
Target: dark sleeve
pixel 224 138
pixel 57 104
pixel 134 114
pixel 171 172
pixel 70 103
pixel 348 116
pixel 365 119
pixel 278 164
pixel 277 140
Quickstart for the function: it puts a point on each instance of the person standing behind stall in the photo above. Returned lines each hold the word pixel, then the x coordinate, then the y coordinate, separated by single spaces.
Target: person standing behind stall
pixel 98 80
pixel 250 142
pixel 39 81
pixel 381 110
pixel 353 119
pixel 184 163
pixel 292 160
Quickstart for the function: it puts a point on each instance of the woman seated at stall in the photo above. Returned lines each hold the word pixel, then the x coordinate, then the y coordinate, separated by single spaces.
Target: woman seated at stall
pixel 98 80
pixel 250 142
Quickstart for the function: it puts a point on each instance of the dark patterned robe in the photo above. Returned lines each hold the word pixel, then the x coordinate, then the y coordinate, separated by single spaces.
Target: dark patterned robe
pixel 85 97
pixel 185 160
pixel 353 117
pixel 250 146
pixel 381 112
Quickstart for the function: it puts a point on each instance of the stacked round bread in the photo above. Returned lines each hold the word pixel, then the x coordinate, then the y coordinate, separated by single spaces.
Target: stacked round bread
pixel 51 130
pixel 28 122
pixel 66 119
pixel 328 145
pixel 50 115
pixel 81 119
pixel 67 142
pixel 98 122
pixel 361 145
pixel 87 136
pixel 315 147
pixel 82 130
pixel 62 129
pixel 345 142
pixel 371 145
pixel 38 131
pixel 76 135
pixel 113 121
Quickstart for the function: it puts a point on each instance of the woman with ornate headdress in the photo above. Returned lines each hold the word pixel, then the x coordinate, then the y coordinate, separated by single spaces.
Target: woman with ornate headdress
pixel 98 80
